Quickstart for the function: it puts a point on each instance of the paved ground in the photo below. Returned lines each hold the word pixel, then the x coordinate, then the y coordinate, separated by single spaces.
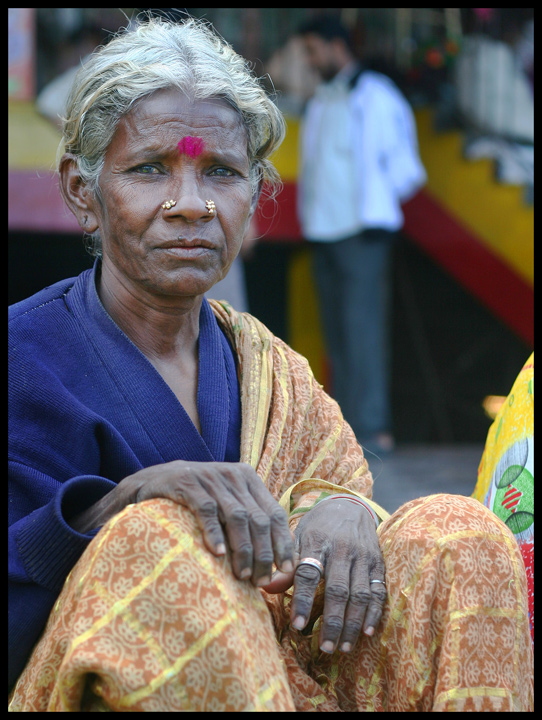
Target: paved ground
pixel 417 470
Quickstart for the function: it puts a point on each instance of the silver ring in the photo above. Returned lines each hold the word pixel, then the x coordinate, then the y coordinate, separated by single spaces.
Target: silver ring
pixel 314 563
pixel 377 581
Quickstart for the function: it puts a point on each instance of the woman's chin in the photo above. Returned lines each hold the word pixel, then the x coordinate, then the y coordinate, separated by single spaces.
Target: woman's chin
pixel 185 283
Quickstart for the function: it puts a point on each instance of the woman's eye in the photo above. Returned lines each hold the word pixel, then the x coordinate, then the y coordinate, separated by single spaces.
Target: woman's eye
pixel 146 170
pixel 223 172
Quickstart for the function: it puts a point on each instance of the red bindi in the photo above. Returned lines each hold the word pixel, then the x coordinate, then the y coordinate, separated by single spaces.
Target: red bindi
pixel 191 146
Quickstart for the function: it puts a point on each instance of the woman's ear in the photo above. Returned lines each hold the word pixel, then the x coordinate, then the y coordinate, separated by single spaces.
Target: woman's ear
pixel 76 194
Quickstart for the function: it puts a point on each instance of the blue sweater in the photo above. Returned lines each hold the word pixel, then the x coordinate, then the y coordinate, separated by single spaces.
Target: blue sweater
pixel 87 409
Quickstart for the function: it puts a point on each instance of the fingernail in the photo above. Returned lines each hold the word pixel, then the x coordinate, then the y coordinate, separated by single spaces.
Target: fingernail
pixel 299 622
pixel 263 581
pixel 287 566
pixel 369 631
pixel 247 572
pixel 220 549
pixel 346 647
pixel 327 646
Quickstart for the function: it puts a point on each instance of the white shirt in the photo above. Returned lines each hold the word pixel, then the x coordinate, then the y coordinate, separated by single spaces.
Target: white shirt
pixel 329 208
pixel 359 178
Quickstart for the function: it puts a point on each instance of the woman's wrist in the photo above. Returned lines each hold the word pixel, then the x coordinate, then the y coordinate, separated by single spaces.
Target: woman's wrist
pixel 98 514
pixel 356 500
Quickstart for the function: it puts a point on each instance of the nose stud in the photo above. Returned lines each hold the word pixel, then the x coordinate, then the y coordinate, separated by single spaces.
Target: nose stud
pixel 210 206
pixel 168 204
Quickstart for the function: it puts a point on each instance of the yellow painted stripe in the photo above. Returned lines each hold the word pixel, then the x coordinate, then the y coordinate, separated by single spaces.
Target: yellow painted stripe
pixel 33 140
pixel 304 324
pixel 286 158
pixel 495 212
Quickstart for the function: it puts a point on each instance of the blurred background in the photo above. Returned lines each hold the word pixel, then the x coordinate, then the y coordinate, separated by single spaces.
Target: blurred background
pixel 462 282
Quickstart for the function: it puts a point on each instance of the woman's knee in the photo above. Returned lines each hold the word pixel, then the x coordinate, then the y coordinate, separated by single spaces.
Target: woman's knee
pixel 155 510
pixel 450 513
pixel 454 537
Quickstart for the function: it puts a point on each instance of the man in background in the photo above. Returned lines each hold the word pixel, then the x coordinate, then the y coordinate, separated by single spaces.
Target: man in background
pixel 359 163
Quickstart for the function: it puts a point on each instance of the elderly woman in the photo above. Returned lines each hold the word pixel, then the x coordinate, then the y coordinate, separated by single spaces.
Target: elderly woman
pixel 168 453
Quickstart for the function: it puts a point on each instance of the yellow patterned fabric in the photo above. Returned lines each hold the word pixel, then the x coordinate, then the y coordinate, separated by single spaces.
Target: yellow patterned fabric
pixel 453 636
pixel 506 473
pixel 150 621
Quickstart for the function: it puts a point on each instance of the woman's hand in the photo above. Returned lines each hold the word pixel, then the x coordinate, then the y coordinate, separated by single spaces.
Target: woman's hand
pixel 230 503
pixel 342 536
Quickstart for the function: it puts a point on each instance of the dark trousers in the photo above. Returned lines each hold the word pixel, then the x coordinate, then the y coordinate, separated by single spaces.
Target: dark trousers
pixel 352 277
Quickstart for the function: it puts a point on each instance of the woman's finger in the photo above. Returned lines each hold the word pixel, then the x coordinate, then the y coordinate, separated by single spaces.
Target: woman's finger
pixel 280 582
pixel 206 512
pixel 281 537
pixel 283 541
pixel 376 608
pixel 235 518
pixel 238 480
pixel 306 579
pixel 359 602
pixel 260 532
pixel 337 598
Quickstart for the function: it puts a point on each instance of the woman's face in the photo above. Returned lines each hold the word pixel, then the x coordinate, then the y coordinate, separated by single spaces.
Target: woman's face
pixel 172 148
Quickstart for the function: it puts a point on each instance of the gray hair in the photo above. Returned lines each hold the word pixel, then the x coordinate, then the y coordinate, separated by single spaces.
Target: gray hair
pixel 160 54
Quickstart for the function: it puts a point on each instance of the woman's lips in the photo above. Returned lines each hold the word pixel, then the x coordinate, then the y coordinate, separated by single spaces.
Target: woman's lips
pixel 186 244
pixel 184 249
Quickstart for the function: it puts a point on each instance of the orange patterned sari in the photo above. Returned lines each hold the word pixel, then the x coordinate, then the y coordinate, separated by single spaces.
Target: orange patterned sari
pixel 149 620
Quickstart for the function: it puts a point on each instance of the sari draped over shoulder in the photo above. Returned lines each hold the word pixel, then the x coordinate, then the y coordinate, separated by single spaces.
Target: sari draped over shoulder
pixel 148 620
pixel 293 433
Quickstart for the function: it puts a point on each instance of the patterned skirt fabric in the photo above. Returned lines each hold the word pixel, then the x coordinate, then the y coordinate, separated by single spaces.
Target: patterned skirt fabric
pixel 149 620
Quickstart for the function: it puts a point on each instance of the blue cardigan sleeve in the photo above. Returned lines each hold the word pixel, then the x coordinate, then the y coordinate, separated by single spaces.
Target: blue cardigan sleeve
pixel 45 547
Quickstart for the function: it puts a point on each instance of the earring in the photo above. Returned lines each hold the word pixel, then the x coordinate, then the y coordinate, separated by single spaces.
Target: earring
pixel 168 204
pixel 211 207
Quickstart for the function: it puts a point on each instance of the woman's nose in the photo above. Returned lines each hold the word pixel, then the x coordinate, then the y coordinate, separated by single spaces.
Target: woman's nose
pixel 187 191
pixel 191 206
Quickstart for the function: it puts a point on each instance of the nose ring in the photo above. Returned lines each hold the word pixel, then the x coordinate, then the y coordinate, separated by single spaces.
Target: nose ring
pixel 168 204
pixel 211 207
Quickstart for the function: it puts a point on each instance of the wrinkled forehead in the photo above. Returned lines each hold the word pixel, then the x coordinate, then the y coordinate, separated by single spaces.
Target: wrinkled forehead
pixel 171 108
